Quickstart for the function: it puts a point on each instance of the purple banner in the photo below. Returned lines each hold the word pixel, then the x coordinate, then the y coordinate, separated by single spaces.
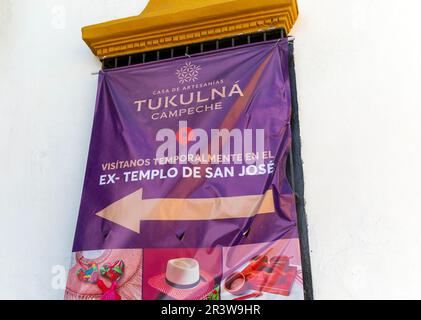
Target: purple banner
pixel 191 153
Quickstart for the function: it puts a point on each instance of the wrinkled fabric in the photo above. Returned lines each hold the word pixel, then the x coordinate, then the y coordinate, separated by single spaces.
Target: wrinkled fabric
pixel 125 130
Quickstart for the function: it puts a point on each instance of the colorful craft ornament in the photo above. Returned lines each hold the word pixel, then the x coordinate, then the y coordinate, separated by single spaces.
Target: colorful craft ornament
pixel 215 294
pixel 109 293
pixel 113 272
pixel 89 272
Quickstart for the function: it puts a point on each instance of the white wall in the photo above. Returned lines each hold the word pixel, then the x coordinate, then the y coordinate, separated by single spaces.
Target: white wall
pixel 47 96
pixel 358 72
pixel 359 78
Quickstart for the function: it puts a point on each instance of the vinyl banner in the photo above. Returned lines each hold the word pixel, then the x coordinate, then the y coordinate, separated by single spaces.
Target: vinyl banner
pixel 186 195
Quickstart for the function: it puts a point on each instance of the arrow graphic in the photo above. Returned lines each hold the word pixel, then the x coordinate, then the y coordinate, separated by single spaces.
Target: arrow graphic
pixel 131 210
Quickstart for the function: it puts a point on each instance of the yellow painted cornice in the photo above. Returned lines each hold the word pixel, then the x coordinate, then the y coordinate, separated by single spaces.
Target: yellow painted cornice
pixel 171 23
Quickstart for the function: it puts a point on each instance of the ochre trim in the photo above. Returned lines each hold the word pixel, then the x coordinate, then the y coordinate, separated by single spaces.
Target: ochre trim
pixel 169 23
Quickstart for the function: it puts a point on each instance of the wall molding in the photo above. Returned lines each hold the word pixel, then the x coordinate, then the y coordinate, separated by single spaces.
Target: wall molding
pixel 164 24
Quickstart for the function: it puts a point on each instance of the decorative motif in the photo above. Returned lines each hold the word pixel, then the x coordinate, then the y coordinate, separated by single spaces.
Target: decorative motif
pixel 113 272
pixel 215 294
pixel 109 293
pixel 89 272
pixel 188 73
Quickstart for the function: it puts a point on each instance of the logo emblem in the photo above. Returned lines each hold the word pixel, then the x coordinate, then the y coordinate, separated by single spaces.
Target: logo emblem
pixel 188 73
